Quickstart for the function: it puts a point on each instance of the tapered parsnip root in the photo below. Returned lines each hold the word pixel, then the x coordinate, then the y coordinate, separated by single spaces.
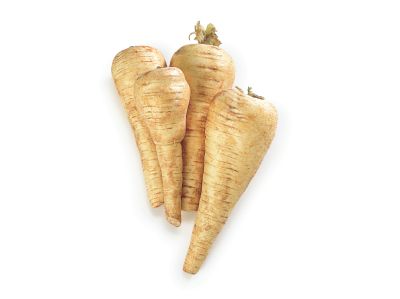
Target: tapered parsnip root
pixel 126 67
pixel 239 130
pixel 208 70
pixel 163 97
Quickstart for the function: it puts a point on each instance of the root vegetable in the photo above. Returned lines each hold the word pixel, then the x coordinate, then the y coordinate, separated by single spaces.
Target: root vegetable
pixel 239 130
pixel 163 97
pixel 126 67
pixel 208 70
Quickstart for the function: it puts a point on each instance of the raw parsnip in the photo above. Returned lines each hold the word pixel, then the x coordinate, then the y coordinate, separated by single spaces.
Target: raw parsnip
pixel 239 130
pixel 126 67
pixel 163 97
pixel 208 70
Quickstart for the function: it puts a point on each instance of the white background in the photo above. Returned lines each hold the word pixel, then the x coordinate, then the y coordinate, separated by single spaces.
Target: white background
pixel 321 219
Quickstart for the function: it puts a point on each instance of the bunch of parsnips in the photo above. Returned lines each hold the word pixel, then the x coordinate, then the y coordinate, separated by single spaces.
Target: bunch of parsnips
pixel 200 139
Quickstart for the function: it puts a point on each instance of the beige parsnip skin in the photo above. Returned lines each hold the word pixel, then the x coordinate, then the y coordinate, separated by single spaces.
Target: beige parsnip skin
pixel 208 69
pixel 126 67
pixel 163 97
pixel 239 130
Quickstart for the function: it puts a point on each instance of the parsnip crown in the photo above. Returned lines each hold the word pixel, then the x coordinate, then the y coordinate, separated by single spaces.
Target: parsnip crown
pixel 206 36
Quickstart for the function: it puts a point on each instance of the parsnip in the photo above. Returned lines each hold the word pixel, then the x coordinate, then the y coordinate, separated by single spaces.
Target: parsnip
pixel 126 67
pixel 208 70
pixel 239 130
pixel 163 97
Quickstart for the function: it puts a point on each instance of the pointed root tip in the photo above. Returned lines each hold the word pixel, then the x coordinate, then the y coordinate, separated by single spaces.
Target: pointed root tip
pixel 174 221
pixel 191 269
pixel 156 204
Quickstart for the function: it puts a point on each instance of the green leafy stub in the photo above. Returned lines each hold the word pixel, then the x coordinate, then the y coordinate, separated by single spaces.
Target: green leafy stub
pixel 252 94
pixel 206 36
